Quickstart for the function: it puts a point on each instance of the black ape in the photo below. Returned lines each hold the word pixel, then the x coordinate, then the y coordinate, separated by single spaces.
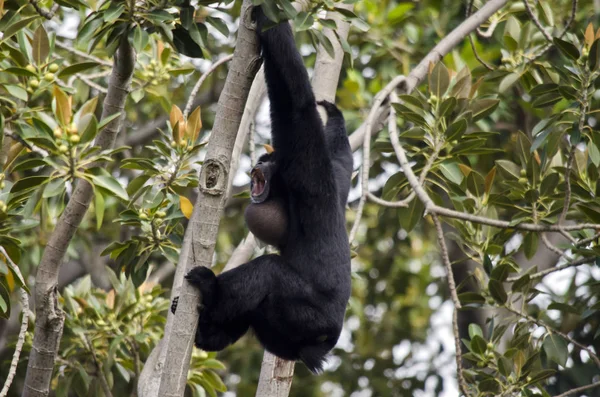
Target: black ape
pixel 295 302
pixel 267 214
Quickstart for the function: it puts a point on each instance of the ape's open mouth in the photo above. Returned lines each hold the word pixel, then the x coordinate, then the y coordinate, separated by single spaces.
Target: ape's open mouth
pixel 258 182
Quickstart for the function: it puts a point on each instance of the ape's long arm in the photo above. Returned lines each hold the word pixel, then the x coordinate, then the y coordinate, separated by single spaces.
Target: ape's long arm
pixel 297 127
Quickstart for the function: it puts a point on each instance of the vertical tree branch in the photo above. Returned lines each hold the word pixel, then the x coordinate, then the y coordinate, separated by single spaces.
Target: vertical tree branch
pixel 49 317
pixel 199 242
pixel 24 323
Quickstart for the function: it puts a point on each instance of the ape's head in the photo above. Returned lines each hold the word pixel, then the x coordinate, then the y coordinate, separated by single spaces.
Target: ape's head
pixel 262 178
pixel 266 215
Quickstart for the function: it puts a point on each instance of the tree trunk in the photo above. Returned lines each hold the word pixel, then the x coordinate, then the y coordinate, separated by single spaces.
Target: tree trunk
pixel 49 319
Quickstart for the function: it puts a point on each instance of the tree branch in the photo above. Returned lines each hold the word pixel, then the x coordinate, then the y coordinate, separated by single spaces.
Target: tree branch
pixel 409 83
pixel 196 88
pixel 201 233
pixel 540 323
pixel 49 317
pixel 579 389
pixel 24 323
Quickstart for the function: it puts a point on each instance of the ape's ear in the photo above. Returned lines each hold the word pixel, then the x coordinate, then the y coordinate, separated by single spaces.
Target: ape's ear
pixel 268 148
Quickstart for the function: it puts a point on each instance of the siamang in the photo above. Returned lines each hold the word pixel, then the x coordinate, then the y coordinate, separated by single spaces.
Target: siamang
pixel 295 301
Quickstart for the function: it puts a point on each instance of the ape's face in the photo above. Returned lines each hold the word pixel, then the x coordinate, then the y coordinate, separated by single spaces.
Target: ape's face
pixel 261 179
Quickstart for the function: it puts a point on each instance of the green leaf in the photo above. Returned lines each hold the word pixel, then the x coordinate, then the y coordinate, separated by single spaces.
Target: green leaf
pixel 289 9
pixel 483 108
pixel 447 106
pixel 29 164
pixel 501 272
pixel 113 12
pixel 136 183
pixel 470 297
pixel 325 43
pixel 563 307
pixel 54 188
pixel 489 385
pixel 456 130
pixel 76 68
pixel 439 80
pixel 521 284
pixel 18 26
pixel 475 330
pixel 20 72
pixel 568 92
pixel 409 217
pixel 452 172
pixel 487 264
pixel 555 348
pixel 107 120
pixel 108 182
pixel 497 291
pixel 185 43
pixel 91 129
pixel 218 24
pixel 510 168
pixel 29 183
pixel 568 49
pixel 508 81
pixel 537 377
pixel 504 366
pixel 397 13
pixel 548 99
pixel 40 46
pixel 17 91
pixel 63 106
pixel 99 208
pixel 4 300
pixel 530 244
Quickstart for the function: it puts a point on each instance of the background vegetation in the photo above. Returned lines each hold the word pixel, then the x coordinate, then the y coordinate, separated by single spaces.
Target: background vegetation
pixel 474 224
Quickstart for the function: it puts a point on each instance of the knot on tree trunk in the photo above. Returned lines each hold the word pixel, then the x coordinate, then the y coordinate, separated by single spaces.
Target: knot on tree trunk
pixel 213 177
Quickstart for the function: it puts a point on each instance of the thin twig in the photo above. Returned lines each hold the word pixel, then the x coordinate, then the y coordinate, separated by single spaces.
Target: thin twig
pixel 540 323
pixel 377 102
pixel 24 323
pixel 544 237
pixel 536 21
pixel 477 56
pixel 196 88
pixel 475 52
pixel 584 242
pixel 571 18
pixel 553 247
pixel 391 204
pixel 579 389
pixel 454 295
pixel 82 54
pixel 42 11
pixel 554 269
pixel 101 376
pixel 411 81
pixel 489 31
pixel 560 36
pixel 89 82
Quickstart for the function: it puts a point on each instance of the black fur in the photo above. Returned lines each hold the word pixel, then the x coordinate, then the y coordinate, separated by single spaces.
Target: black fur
pixel 295 302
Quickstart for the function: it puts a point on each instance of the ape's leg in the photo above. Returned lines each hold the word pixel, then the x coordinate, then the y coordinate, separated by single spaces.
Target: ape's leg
pixel 230 299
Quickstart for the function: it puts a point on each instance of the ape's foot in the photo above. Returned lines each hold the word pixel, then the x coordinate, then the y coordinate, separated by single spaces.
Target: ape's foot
pixel 205 280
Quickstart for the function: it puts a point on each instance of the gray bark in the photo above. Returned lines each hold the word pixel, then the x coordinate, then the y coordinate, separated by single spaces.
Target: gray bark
pixel 49 317
pixel 172 363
